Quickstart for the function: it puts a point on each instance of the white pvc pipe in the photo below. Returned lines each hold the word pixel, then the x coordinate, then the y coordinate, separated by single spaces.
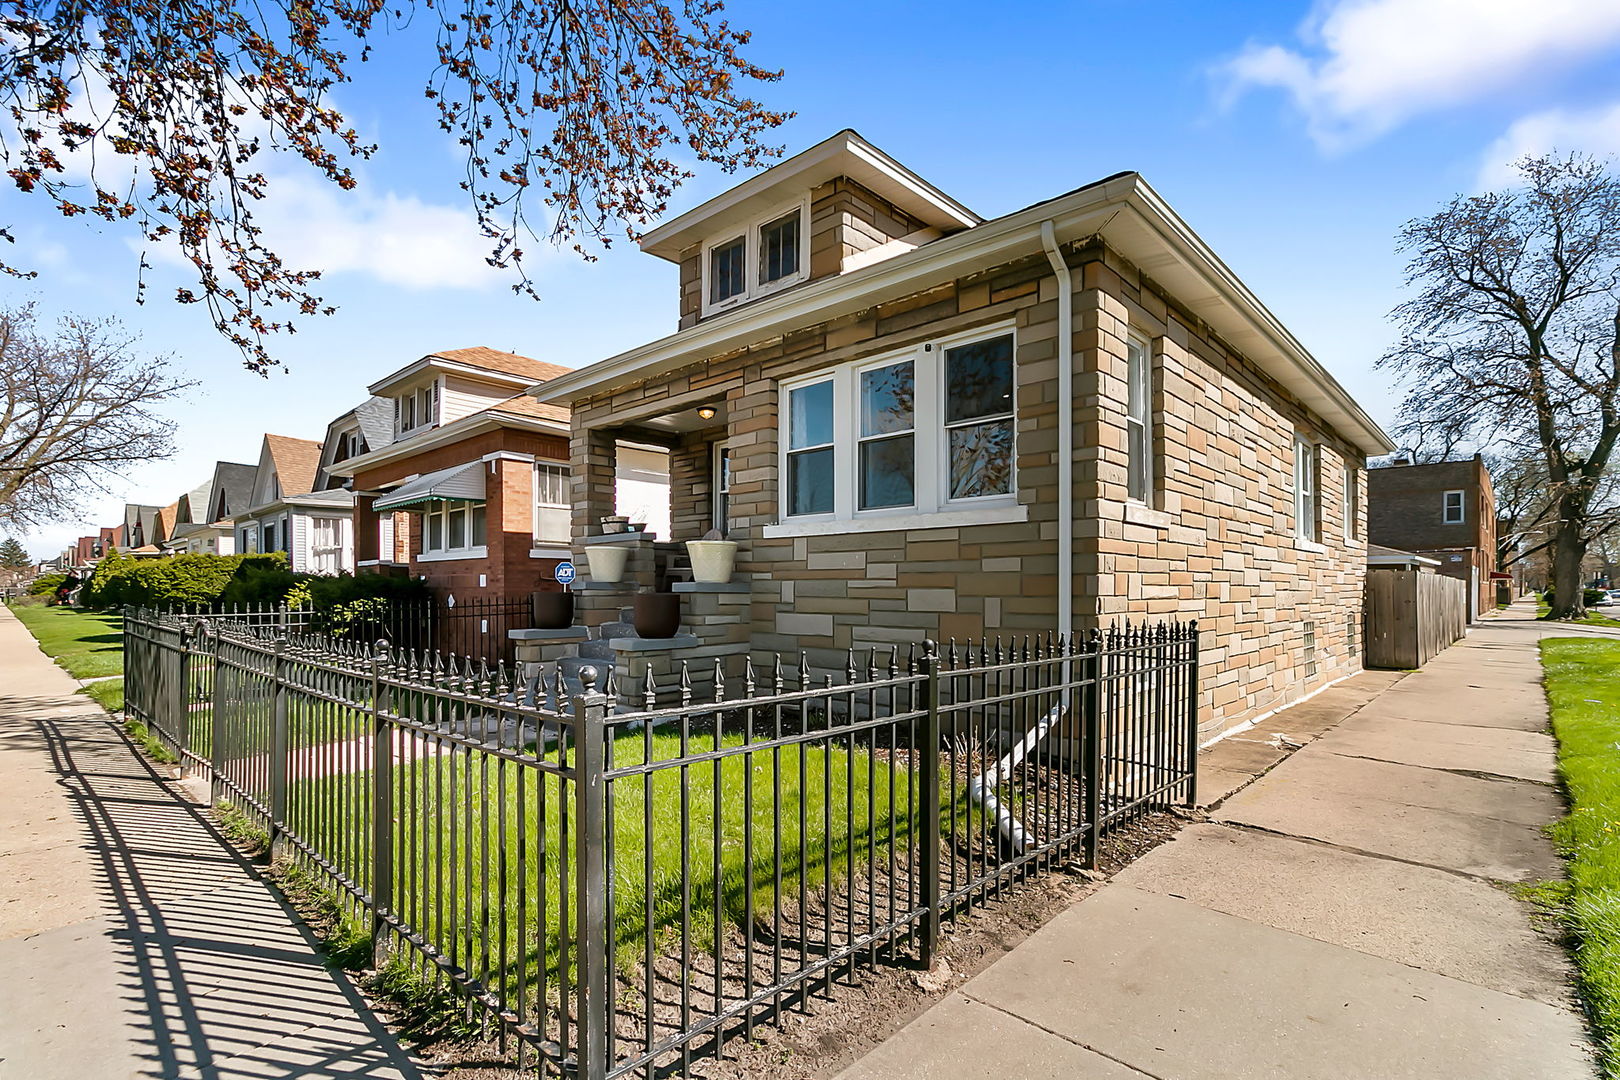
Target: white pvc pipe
pixel 1065 462
pixel 981 789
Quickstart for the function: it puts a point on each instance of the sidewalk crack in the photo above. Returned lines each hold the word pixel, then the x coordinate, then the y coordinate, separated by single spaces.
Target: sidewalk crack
pixel 1243 826
pixel 1066 1038
pixel 1472 774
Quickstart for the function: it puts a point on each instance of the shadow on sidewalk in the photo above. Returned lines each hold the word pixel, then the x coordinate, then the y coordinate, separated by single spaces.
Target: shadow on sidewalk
pixel 217 977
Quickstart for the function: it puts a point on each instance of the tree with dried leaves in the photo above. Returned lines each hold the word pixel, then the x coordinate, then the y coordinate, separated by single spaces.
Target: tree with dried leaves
pixel 158 115
pixel 76 407
pixel 1512 337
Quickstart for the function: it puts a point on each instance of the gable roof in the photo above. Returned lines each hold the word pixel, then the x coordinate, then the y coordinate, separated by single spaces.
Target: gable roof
pixel 295 462
pixel 232 483
pixel 164 526
pixel 520 411
pixel 474 361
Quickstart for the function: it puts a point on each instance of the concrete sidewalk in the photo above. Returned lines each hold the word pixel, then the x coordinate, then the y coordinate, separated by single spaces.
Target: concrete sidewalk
pixel 1343 915
pixel 133 941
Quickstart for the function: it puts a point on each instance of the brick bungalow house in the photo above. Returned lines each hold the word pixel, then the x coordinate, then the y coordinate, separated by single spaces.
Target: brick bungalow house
pixel 287 513
pixel 917 422
pixel 466 485
pixel 1445 510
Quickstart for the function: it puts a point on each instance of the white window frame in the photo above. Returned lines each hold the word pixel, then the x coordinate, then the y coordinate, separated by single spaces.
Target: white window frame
pixel 933 507
pixel 753 288
pixel 424 399
pixel 562 503
pixel 445 552
pixel 326 558
pixel 1307 489
pixel 1352 500
pixel 1139 417
pixel 1462 508
pixel 722 485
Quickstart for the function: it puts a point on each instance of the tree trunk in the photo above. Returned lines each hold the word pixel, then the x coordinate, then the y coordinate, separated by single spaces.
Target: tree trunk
pixel 1569 553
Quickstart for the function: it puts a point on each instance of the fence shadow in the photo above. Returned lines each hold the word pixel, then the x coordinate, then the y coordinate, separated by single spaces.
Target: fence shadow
pixel 216 977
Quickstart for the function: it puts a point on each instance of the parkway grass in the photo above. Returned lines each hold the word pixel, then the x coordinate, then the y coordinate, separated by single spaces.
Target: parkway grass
pixel 87 644
pixel 1583 690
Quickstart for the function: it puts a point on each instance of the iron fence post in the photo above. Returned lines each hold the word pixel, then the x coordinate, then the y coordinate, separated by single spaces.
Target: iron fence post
pixel 279 748
pixel 928 779
pixel 1091 663
pixel 382 809
pixel 1192 714
pixel 182 695
pixel 216 748
pixel 590 846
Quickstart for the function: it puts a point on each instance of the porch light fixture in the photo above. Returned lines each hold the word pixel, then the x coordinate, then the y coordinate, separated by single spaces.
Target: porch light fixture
pixel 706 413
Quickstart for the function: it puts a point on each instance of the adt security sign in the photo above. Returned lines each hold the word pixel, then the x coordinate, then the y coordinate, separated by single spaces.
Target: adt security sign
pixel 564 573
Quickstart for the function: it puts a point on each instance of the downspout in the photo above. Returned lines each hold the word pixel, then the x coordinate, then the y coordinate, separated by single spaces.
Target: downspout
pixel 1065 404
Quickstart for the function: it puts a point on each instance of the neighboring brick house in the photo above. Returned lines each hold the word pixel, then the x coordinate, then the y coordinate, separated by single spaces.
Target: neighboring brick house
pixel 920 423
pixel 467 486
pixel 288 513
pixel 1445 510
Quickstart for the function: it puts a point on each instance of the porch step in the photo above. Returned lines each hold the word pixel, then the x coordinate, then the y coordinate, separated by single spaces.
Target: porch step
pixel 608 631
pixel 596 649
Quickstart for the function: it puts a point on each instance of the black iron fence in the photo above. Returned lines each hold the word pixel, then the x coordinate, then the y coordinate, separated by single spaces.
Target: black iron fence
pixel 624 885
pixel 471 627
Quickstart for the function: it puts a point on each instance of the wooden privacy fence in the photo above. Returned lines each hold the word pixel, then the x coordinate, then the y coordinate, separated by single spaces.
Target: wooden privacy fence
pixel 1411 615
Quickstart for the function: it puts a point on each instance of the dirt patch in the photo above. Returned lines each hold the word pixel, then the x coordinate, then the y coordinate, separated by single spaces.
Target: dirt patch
pixel 822 1035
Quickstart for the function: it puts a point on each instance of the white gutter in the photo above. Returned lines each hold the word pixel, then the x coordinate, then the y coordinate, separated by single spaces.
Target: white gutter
pixel 1065 463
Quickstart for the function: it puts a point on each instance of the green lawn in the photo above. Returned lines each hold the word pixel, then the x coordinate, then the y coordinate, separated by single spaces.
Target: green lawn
pixel 87 644
pixel 1591 618
pixel 444 848
pixel 110 693
pixel 1583 689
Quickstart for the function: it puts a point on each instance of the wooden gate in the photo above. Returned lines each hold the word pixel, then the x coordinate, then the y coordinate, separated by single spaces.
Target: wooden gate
pixel 1411 615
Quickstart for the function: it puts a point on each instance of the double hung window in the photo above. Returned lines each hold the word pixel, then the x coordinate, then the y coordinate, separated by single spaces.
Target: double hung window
pixel 450 527
pixel 1452 511
pixel 1138 421
pixel 1305 489
pixel 765 255
pixel 552 524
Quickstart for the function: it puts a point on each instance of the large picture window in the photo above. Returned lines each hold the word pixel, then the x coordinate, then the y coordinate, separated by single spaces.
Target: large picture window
pixel 929 430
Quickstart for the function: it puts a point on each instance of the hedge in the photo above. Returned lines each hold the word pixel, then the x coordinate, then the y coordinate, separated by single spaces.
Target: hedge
pixel 210 580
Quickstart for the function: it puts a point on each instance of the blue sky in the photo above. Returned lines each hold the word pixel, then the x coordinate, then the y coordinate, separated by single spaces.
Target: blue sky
pixel 1295 138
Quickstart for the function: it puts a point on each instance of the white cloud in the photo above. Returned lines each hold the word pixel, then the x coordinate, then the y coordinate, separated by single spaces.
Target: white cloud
pixel 1591 131
pixel 1365 66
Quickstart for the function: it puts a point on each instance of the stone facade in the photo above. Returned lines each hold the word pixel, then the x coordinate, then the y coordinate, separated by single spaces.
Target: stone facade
pixel 1281 617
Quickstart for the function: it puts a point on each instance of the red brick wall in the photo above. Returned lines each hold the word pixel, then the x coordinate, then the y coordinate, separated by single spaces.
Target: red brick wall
pixel 507 569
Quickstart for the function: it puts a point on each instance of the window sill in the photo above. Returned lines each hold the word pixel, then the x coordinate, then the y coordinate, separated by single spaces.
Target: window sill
pixel 943 519
pixel 1301 544
pixel 459 555
pixel 1142 514
pixel 551 551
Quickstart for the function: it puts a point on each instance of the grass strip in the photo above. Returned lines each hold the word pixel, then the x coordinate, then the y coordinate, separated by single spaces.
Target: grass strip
pixel 1583 690
pixel 87 644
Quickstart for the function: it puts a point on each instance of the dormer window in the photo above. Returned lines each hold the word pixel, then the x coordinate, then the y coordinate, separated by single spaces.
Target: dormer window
pixel 416 408
pixel 768 255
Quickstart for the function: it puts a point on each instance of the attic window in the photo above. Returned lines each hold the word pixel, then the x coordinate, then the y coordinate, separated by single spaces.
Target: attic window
pixel 770 254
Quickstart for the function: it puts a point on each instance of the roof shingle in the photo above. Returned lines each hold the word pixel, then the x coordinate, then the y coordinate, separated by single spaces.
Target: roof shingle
pixel 296 461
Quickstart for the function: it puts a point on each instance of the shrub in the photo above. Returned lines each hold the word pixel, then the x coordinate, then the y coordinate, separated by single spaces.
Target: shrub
pixel 177 580
pixel 46 584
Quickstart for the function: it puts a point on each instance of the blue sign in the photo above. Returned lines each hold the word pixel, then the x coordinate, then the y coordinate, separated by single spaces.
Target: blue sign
pixel 564 573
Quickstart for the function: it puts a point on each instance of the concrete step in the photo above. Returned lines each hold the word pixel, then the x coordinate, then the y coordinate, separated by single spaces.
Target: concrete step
pixel 611 630
pixel 596 650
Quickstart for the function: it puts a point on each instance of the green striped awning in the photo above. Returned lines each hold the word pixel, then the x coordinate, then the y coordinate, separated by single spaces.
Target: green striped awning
pixel 460 483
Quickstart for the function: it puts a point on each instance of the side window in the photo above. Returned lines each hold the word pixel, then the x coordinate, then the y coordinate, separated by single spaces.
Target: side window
pixel 1452 511
pixel 1139 421
pixel 979 418
pixel 1305 489
pixel 810 449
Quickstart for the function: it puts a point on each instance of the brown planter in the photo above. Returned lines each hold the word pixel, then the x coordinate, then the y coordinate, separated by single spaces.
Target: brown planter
pixel 657 615
pixel 553 610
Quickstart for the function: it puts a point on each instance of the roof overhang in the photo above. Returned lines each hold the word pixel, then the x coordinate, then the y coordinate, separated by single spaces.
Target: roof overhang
pixel 1122 210
pixel 468 426
pixel 845 154
pixel 439 363
pixel 459 483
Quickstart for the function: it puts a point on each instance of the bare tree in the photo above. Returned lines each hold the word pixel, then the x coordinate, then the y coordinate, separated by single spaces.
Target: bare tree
pixel 155 116
pixel 1513 336
pixel 76 407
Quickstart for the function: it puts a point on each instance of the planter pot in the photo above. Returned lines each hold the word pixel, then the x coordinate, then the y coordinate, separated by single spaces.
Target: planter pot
pixel 712 560
pixel 607 561
pixel 657 615
pixel 611 525
pixel 553 610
